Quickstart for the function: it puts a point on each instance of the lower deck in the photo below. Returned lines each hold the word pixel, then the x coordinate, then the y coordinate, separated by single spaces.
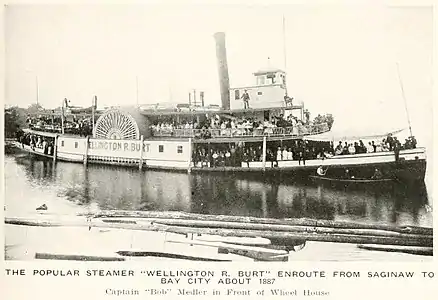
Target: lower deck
pixel 183 155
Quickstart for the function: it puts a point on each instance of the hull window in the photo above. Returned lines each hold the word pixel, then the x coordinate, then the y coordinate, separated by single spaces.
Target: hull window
pixel 76 145
pixel 160 148
pixel 179 149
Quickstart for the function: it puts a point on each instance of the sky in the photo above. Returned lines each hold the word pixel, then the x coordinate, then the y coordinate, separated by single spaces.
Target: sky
pixel 339 59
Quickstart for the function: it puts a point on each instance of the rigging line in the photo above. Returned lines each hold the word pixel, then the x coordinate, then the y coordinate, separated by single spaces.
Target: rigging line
pixel 404 98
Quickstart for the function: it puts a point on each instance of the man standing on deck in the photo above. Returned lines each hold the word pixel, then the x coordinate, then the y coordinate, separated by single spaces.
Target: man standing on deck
pixel 397 147
pixel 245 98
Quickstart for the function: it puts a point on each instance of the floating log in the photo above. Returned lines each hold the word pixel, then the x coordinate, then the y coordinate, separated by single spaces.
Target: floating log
pixel 76 257
pixel 26 222
pixel 137 253
pixel 257 253
pixel 260 250
pixel 285 238
pixel 427 251
pixel 287 228
pixel 276 237
pixel 252 241
pixel 240 219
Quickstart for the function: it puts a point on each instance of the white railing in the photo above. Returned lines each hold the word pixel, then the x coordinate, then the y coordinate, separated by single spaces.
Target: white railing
pixel 298 130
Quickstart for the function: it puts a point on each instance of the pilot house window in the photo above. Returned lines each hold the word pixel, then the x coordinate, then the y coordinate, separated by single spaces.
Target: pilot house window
pixel 271 77
pixel 160 148
pixel 260 80
pixel 179 149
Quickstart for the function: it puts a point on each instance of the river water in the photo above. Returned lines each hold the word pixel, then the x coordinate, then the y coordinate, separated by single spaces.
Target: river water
pixel 68 188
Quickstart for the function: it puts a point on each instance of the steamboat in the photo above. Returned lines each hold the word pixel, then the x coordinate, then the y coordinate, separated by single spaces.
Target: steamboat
pixel 257 129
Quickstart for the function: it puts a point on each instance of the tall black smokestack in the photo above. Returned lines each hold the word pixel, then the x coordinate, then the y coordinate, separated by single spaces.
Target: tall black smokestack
pixel 222 65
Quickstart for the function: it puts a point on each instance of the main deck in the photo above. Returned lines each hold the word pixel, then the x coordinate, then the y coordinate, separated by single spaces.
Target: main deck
pixel 179 154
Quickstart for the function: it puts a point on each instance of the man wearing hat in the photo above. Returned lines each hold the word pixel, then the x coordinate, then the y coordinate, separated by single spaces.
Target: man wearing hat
pixel 245 98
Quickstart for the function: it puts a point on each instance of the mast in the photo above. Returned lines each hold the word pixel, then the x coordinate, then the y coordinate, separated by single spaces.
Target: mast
pixel 404 99
pixel 284 52
pixel 93 113
pixel 62 114
pixel 37 90
pixel 136 84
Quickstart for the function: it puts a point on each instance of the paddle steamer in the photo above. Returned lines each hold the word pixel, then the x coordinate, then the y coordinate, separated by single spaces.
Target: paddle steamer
pixel 129 136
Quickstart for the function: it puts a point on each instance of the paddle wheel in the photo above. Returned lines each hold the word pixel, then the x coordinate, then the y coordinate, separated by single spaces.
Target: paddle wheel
pixel 116 124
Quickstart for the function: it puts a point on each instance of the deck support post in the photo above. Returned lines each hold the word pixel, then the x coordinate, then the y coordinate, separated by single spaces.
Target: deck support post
pixel 264 153
pixel 189 169
pixel 87 139
pixel 140 163
pixel 209 155
pixel 55 149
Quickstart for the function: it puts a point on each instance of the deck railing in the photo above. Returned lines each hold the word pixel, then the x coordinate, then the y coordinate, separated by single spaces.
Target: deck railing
pixel 299 130
pixel 68 129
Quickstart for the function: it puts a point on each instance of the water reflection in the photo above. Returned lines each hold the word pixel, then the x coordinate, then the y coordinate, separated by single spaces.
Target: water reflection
pixel 130 189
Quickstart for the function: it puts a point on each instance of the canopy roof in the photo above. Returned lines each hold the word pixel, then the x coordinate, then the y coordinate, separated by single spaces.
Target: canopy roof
pixel 350 134
pixel 268 70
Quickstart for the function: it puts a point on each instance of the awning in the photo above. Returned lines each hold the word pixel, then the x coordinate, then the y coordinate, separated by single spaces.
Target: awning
pixel 348 135
pixel 41 133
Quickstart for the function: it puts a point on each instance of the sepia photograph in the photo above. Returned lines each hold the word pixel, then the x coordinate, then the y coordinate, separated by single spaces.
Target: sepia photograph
pixel 218 133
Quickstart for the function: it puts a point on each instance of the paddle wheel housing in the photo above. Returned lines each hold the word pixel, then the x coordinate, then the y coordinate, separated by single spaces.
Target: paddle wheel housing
pixel 121 124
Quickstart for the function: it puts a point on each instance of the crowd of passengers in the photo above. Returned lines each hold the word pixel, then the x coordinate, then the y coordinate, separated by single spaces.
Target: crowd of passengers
pixel 223 126
pixel 389 143
pixel 34 141
pixel 234 154
pixel 81 126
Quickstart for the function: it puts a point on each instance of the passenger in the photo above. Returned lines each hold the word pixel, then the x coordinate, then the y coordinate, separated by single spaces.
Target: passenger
pixel 384 145
pixel 397 147
pixel 390 141
pixel 44 146
pixel 413 142
pixel 215 159
pixel 351 149
pixel 339 149
pixel 320 171
pixel 290 155
pixel 284 154
pixel 302 154
pixel 331 149
pixel 245 98
pixel 279 154
pixel 377 174
pixel 370 148
pixel 345 149
pixel 363 149
pixel 328 155
pixel 357 149
pixel 233 155
pixel 227 158
pixel 246 157
pixel 270 157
